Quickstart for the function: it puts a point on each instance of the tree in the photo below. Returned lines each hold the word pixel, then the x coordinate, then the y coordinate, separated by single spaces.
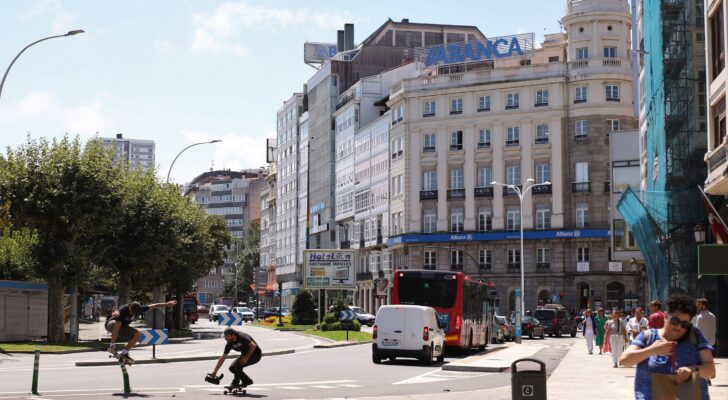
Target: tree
pixel 68 195
pixel 249 258
pixel 16 248
pixel 303 311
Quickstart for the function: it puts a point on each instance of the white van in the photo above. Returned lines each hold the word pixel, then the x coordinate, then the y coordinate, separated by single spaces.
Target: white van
pixel 407 331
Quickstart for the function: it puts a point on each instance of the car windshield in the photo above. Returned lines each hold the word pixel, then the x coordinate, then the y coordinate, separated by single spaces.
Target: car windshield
pixel 544 314
pixel 357 310
pixel 221 308
pixel 244 309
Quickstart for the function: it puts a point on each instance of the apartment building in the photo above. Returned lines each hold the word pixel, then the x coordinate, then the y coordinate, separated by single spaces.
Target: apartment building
pixel 135 152
pixel 717 136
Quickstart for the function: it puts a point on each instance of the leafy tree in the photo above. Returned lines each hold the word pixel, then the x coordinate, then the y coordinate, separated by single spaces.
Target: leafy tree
pixel 16 248
pixel 303 311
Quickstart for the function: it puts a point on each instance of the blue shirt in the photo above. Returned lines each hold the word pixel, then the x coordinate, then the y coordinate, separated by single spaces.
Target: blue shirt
pixel 687 356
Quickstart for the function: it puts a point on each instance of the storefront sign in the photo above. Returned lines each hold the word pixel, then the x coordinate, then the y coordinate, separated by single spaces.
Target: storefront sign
pixel 530 235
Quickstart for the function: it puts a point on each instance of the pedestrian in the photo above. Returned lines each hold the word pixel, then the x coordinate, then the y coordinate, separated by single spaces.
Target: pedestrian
pixel 657 317
pixel 117 324
pixel 590 329
pixel 250 353
pixel 616 333
pixel 705 320
pixel 637 324
pixel 601 319
pixel 676 350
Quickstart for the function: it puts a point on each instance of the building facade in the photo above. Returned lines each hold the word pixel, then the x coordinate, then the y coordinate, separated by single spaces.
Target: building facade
pixel 135 152
pixel 717 140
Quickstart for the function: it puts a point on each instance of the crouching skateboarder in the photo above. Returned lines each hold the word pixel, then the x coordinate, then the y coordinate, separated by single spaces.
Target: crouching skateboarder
pixel 117 324
pixel 250 354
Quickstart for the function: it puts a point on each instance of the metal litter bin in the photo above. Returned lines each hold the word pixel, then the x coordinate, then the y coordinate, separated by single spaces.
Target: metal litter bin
pixel 528 384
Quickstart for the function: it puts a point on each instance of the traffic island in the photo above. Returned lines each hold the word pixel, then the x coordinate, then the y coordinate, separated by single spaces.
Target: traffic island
pixel 176 359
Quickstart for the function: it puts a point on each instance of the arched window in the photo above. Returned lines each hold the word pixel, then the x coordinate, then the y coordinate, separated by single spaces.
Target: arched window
pixel 615 296
pixel 544 297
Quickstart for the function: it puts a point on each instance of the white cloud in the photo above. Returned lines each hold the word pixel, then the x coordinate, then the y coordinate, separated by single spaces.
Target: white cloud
pixel 43 113
pixel 63 20
pixel 223 29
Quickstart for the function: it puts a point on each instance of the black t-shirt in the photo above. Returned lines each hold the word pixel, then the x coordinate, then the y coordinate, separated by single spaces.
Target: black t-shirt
pixel 125 315
pixel 241 343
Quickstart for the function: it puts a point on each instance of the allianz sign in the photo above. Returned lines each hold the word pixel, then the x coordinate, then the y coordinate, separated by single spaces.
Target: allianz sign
pixel 473 51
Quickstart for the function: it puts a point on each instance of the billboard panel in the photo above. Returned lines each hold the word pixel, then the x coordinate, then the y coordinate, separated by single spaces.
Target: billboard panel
pixel 712 259
pixel 329 269
pixel 317 53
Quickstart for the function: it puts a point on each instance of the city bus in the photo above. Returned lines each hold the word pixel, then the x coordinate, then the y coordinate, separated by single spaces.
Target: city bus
pixel 464 305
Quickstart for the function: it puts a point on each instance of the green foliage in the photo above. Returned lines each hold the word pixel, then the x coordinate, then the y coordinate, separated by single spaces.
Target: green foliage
pixel 341 326
pixel 303 310
pixel 330 318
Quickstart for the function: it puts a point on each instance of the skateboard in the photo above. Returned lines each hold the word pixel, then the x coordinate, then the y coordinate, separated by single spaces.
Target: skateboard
pixel 234 390
pixel 123 359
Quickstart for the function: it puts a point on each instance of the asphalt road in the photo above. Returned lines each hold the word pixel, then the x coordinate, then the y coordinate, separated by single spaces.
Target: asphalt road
pixel 306 374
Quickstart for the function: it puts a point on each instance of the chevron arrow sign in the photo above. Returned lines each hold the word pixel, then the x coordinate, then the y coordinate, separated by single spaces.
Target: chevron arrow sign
pixel 154 336
pixel 346 315
pixel 230 318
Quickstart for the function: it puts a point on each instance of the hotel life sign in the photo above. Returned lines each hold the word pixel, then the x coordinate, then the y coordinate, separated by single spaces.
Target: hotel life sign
pixel 473 51
pixel 329 269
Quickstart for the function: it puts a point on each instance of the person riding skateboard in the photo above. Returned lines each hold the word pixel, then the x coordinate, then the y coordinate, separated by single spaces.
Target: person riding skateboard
pixel 250 354
pixel 117 324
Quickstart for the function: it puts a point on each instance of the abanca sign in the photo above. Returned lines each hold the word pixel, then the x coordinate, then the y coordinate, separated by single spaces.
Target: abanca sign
pixel 502 47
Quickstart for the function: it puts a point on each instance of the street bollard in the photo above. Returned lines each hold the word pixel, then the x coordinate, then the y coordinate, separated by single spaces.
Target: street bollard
pixel 530 384
pixel 34 389
pixel 127 388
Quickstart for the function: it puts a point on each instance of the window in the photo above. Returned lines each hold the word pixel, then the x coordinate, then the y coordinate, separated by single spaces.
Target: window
pixel 456 260
pixel 610 52
pixel 429 180
pixel 623 239
pixel 543 217
pixel 485 259
pixel 512 100
pixel 582 172
pixel 485 219
pixel 612 92
pixel 554 59
pixel 582 215
pixel 430 259
pixel 612 125
pixel 542 97
pixel 543 255
pixel 543 173
pixel 429 221
pixel 514 257
pixel 582 53
pixel 485 175
pixel 582 128
pixel 514 134
pixel 717 41
pixel 513 219
pixel 580 96
pixel 456 140
pixel 429 143
pixel 719 124
pixel 456 179
pixel 397 148
pixel 456 106
pixel 582 254
pixel 542 133
pixel 456 220
pixel 484 103
pixel 429 109
pixel 484 138
pixel 396 188
pixel 513 175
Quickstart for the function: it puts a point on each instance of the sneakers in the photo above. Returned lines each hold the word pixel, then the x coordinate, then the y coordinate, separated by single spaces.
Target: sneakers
pixel 112 350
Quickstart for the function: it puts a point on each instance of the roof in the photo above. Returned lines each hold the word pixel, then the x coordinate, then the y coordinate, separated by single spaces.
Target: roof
pixel 368 41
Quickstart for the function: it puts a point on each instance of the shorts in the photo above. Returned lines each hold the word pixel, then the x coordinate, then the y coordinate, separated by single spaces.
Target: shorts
pixel 126 332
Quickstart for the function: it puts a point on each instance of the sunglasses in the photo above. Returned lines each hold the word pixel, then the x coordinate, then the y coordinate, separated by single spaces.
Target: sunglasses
pixel 678 322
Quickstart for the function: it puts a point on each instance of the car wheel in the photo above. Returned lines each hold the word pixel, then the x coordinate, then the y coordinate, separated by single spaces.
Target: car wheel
pixel 376 359
pixel 573 333
pixel 542 335
pixel 530 335
pixel 392 359
pixel 427 358
pixel 558 333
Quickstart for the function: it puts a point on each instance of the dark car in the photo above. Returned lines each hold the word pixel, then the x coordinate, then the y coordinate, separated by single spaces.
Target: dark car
pixel 531 327
pixel 271 312
pixel 556 321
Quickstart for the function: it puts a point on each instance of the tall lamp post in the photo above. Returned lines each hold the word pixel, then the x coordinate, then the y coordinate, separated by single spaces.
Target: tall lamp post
pixel 521 192
pixel 70 33
pixel 183 150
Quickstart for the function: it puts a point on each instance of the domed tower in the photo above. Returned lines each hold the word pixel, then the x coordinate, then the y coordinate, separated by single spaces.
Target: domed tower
pixel 598 29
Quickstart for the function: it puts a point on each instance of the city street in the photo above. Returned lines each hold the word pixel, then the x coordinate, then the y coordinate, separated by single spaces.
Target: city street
pixel 308 373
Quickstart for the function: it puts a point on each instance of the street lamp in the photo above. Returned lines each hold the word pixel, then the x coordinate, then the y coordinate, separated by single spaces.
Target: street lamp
pixel 70 33
pixel 183 150
pixel 521 192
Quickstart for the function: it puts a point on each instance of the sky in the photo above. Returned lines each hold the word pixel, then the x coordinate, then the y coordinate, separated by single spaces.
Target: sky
pixel 183 71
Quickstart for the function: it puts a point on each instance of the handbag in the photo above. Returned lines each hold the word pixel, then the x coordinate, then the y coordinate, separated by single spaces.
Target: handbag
pixel 664 387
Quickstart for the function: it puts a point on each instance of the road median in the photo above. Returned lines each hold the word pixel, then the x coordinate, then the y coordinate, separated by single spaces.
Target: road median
pixel 176 359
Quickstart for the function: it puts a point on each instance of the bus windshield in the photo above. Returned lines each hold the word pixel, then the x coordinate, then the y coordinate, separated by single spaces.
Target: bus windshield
pixel 436 291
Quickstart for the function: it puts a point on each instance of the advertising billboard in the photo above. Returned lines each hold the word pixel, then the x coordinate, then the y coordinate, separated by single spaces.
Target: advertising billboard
pixel 329 269
pixel 317 53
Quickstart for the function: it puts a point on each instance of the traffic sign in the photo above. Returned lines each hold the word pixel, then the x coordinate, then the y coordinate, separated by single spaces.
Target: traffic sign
pixel 230 318
pixel 154 336
pixel 346 315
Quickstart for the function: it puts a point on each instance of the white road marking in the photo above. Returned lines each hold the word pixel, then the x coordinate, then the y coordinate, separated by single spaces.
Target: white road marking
pixel 290 387
pixel 437 376
pixel 323 387
pixel 285 384
pixel 351 386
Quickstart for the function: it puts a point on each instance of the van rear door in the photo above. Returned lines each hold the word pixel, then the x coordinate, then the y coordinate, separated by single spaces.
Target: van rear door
pixel 391 327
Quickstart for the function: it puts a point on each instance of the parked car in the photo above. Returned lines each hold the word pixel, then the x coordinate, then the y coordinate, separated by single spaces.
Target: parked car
pixel 556 320
pixel 506 329
pixel 216 310
pixel 408 331
pixel 362 316
pixel 203 309
pixel 271 312
pixel 531 327
pixel 245 312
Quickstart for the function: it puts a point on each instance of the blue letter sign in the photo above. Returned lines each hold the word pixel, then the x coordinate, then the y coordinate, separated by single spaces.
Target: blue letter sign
pixel 457 52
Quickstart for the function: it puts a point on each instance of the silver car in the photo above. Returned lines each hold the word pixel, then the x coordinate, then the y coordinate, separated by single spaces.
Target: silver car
pixel 216 310
pixel 245 312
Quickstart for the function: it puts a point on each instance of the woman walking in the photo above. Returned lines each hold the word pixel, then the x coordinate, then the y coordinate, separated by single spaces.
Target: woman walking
pixel 601 320
pixel 616 333
pixel 590 329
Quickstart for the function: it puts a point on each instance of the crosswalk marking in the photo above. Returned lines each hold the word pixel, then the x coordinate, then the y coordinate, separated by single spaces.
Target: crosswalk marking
pixel 438 376
pixel 323 387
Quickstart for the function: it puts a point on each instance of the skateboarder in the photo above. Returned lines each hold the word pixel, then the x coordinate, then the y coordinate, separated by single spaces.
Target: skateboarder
pixel 250 354
pixel 118 326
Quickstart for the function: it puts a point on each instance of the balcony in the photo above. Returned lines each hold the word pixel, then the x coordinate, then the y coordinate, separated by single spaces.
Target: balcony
pixel 428 149
pixel 513 267
pixel 456 267
pixel 581 187
pixel 456 112
pixel 512 143
pixel 345 244
pixel 579 101
pixel 542 104
pixel 364 276
pixel 484 145
pixel 484 109
pixel 428 194
pixel 512 107
pixel 455 147
pixel 581 137
pixel 542 140
pixel 541 189
pixel 543 267
pixel 484 191
pixel 613 99
pixel 456 193
pixel 427 115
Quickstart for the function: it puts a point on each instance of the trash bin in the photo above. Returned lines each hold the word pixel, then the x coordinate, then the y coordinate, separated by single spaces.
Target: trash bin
pixel 529 384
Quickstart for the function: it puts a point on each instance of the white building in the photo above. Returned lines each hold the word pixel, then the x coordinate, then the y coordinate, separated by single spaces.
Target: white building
pixel 138 153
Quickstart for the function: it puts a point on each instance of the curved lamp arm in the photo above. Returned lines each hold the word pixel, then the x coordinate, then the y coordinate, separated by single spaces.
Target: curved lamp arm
pixel 183 150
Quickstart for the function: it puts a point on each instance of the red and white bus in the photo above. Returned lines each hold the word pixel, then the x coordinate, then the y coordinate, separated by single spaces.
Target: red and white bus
pixel 464 305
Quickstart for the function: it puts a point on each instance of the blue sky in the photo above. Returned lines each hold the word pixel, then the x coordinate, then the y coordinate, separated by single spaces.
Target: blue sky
pixel 181 71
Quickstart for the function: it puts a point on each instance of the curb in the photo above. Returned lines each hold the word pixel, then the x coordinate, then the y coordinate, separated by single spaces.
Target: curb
pixel 174 360
pixel 475 368
pixel 56 352
pixel 339 344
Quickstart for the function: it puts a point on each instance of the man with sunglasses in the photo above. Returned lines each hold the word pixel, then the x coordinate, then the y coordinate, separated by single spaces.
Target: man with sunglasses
pixel 676 349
